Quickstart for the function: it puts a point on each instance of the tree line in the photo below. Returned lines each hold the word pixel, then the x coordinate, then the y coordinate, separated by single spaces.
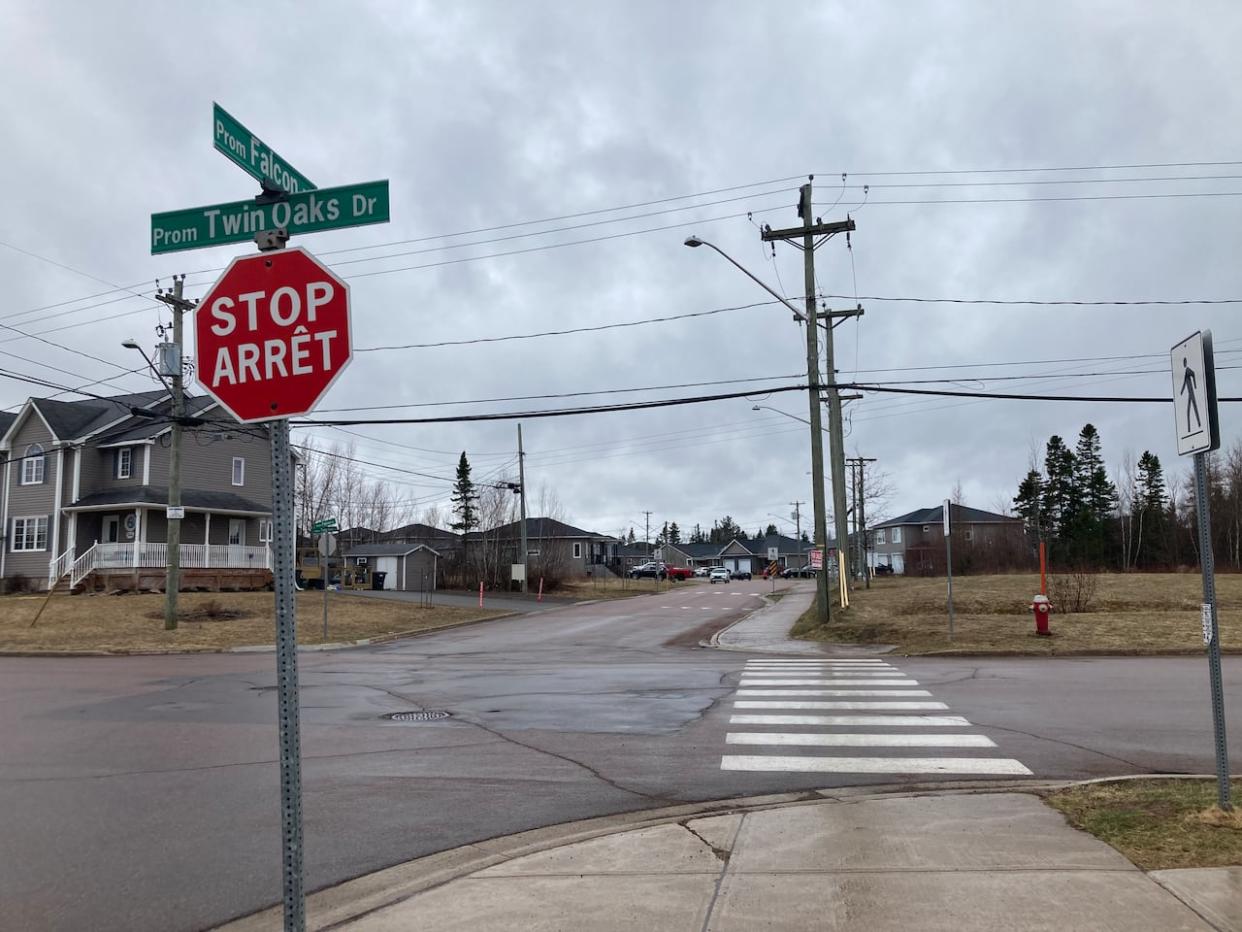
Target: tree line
pixel 1139 518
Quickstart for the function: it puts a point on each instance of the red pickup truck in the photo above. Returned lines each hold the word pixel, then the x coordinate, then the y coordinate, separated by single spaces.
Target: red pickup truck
pixel 678 572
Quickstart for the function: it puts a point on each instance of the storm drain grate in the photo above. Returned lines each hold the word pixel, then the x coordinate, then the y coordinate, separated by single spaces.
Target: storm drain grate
pixel 427 715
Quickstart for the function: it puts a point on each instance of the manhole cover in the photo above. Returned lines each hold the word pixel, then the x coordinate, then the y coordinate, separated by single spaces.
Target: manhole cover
pixel 427 715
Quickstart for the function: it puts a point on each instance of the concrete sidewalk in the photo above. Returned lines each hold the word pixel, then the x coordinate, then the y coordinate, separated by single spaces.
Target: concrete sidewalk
pixel 766 631
pixel 957 860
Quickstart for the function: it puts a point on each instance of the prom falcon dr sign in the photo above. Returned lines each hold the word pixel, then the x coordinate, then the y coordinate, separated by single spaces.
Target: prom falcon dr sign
pixel 272 335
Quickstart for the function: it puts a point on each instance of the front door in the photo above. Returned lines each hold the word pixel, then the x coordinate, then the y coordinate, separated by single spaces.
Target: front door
pixel 237 538
pixel 111 529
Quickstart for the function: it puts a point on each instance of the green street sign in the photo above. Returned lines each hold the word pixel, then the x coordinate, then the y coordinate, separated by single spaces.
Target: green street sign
pixel 327 524
pixel 255 157
pixel 351 205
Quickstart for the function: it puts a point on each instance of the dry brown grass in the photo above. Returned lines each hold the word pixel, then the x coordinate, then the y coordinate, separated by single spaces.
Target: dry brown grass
pixel 1157 824
pixel 135 622
pixel 1131 613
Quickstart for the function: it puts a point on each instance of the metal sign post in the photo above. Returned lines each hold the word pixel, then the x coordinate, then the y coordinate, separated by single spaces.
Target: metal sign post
pixel 287 675
pixel 1198 433
pixel 948 552
pixel 327 547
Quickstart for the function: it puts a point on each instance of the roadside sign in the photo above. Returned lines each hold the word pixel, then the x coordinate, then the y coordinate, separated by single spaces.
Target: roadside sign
pixel 174 512
pixel 252 154
pixel 1205 620
pixel 324 524
pixel 350 205
pixel 1194 394
pixel 817 559
pixel 327 544
pixel 272 335
pixel 774 553
pixel 946 517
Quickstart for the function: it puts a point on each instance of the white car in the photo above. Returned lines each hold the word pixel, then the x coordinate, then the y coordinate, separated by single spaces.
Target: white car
pixel 718 574
pixel 701 571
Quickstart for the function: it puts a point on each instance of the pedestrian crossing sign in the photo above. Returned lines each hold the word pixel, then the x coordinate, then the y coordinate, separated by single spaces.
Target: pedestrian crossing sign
pixel 1194 394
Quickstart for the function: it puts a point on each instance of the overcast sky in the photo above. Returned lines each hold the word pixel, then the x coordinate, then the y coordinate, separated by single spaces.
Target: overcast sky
pixel 489 115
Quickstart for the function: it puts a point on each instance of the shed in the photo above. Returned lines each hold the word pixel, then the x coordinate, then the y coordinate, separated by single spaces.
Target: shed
pixel 408 567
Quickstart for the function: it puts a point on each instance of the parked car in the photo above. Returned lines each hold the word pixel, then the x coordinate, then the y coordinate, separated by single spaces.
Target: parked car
pixel 649 570
pixel 797 572
pixel 718 574
pixel 701 572
pixel 883 569
pixel 741 574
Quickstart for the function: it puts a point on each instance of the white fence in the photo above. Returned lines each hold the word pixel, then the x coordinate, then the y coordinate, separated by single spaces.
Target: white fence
pixel 193 556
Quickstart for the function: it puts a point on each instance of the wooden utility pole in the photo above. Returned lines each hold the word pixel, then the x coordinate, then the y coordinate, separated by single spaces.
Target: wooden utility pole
pixel 522 501
pixel 860 514
pixel 172 583
pixel 811 228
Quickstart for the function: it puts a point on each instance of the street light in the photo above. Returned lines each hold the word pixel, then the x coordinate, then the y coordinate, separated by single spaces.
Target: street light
pixel 779 411
pixel 817 440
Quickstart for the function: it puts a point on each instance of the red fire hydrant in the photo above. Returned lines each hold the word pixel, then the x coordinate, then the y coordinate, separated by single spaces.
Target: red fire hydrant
pixel 1042 608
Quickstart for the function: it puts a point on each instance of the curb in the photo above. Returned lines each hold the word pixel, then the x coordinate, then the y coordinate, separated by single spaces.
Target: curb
pixel 352 899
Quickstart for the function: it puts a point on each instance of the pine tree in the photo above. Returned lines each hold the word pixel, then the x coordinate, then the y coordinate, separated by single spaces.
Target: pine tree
pixel 465 498
pixel 697 536
pixel 631 538
pixel 1097 495
pixel 1150 512
pixel 770 530
pixel 1060 496
pixel 1030 505
pixel 674 533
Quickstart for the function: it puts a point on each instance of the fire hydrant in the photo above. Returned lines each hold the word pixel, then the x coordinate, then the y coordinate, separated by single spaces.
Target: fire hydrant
pixel 1042 608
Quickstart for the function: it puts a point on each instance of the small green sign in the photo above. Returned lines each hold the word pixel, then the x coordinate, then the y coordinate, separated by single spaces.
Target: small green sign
pixel 352 205
pixel 254 156
pixel 327 524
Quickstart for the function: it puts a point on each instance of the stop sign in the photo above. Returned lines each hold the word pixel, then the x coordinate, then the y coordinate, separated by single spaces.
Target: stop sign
pixel 272 335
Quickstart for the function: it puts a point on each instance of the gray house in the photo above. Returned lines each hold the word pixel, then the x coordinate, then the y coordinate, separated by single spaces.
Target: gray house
pixel 914 542
pixel 553 546
pixel 85 490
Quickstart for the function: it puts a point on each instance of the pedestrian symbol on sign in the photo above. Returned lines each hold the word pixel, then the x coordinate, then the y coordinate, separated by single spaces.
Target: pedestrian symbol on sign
pixel 1194 394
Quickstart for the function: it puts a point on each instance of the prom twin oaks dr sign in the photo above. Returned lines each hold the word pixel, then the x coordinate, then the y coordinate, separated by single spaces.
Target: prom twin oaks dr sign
pixel 273 335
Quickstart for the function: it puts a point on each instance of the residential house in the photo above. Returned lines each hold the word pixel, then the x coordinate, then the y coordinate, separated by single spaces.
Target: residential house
pixel 406 567
pixel 554 547
pixel 443 541
pixel 914 543
pixel 755 554
pixel 85 489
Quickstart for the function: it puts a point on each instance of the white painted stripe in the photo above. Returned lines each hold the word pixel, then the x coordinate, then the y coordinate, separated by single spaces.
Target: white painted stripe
pixel 845 693
pixel 817 663
pixel 970 765
pixel 911 721
pixel 880 706
pixel 859 741
pixel 845 682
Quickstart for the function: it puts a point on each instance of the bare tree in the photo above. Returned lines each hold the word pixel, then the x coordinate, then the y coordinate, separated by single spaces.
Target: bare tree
pixel 1125 479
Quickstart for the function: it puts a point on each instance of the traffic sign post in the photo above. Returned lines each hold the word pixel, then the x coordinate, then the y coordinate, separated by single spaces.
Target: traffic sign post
pixel 948 561
pixel 255 157
pixel 327 547
pixel 1198 433
pixel 350 205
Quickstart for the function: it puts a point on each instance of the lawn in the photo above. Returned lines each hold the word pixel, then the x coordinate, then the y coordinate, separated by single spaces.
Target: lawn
pixel 1130 613
pixel 1158 824
pixel 211 621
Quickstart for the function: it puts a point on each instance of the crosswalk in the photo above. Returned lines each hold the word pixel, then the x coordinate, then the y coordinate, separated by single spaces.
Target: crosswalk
pixel 850 703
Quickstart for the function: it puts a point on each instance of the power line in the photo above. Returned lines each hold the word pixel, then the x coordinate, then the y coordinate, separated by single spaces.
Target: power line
pixel 1057 168
pixel 1041 302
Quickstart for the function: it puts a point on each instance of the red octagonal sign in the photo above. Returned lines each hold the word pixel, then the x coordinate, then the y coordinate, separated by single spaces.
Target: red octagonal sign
pixel 272 335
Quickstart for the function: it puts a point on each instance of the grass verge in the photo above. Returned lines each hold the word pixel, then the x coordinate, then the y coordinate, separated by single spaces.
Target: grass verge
pixel 210 621
pixel 1158 824
pixel 1131 614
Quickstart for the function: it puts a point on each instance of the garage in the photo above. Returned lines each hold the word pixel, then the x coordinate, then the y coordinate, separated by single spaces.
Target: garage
pixel 407 567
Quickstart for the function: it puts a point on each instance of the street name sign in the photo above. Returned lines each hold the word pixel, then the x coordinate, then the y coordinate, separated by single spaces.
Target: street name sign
pixel 327 524
pixel 350 205
pixel 252 154
pixel 272 334
pixel 1194 394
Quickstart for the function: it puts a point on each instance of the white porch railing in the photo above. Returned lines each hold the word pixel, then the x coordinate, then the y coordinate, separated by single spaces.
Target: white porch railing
pixel 59 567
pixel 193 556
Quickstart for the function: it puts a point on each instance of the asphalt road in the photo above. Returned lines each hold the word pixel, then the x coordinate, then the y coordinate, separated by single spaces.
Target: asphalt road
pixel 142 793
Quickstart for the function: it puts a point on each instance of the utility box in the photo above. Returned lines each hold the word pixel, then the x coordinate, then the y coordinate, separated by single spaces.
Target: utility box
pixel 168 359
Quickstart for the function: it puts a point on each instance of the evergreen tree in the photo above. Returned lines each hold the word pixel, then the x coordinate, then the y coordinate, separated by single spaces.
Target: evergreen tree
pixel 1030 505
pixel 674 533
pixel 631 538
pixel 770 530
pixel 1097 496
pixel 697 536
pixel 1150 512
pixel 465 498
pixel 725 530
pixel 1059 495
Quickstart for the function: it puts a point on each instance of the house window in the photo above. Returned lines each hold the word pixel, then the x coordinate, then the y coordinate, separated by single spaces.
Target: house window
pixel 239 470
pixel 237 531
pixel 896 535
pixel 577 551
pixel 29 534
pixel 881 536
pixel 265 531
pixel 124 462
pixel 926 528
pixel 970 533
pixel 32 465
